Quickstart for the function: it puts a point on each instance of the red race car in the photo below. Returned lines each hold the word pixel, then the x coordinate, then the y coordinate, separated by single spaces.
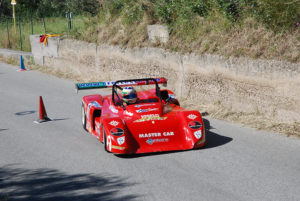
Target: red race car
pixel 130 121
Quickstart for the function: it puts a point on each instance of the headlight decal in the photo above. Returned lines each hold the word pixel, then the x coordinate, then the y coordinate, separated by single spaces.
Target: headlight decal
pixel 195 125
pixel 198 134
pixel 121 140
pixel 117 131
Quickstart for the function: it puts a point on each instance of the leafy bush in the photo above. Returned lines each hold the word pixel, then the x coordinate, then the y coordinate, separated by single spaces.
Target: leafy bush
pixel 171 10
pixel 132 12
pixel 48 8
pixel 275 14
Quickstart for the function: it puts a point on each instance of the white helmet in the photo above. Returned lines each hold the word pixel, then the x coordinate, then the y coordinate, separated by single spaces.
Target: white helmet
pixel 129 95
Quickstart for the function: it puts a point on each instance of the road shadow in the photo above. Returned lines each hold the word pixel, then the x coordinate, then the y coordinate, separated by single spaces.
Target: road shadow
pixel 50 184
pixel 61 119
pixel 212 140
pixel 215 140
pixel 40 121
pixel 25 113
pixel 3 129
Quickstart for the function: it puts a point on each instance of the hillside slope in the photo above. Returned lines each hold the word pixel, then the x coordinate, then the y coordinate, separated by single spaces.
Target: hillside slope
pixel 258 29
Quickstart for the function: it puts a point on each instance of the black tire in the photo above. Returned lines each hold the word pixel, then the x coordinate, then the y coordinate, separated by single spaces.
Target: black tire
pixel 104 140
pixel 206 124
pixel 83 117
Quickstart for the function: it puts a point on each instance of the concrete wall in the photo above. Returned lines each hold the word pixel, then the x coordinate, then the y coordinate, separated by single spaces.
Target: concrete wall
pixel 246 85
pixel 158 32
pixel 16 54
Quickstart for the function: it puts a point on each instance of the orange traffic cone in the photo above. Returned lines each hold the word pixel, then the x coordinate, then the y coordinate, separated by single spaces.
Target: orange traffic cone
pixel 43 114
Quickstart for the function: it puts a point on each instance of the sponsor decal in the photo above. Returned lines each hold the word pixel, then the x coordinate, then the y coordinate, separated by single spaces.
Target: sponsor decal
pixel 150 141
pixel 113 109
pixel 195 125
pixel 95 103
pixel 118 147
pixel 192 116
pixel 172 96
pixel 198 134
pixel 150 119
pixel 161 140
pixel 108 142
pixel 145 104
pixel 128 113
pixel 97 124
pixel 149 115
pixel 117 131
pixel 88 126
pixel 114 123
pixel 98 131
pixel 152 109
pixel 121 140
pixel 148 135
pixel 146 110
pixel 92 84
pixel 141 110
pixel 120 83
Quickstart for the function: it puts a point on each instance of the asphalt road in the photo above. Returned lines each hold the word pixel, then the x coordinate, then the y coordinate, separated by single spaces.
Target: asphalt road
pixel 58 160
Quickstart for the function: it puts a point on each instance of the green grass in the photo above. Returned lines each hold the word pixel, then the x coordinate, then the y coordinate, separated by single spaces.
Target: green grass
pixel 9 38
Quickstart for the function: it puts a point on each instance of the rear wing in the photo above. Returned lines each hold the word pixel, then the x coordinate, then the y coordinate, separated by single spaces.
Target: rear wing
pixel 99 85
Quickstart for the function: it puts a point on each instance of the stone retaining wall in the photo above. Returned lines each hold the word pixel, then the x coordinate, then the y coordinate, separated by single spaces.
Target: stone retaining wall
pixel 246 85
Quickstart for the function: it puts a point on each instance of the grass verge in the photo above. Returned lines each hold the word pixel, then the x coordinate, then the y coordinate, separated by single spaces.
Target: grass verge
pixel 252 119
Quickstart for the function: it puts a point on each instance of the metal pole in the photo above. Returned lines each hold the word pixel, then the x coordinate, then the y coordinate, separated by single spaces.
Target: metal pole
pixel 20 34
pixel 31 25
pixel 44 25
pixel 7 33
pixel 14 16
pixel 68 20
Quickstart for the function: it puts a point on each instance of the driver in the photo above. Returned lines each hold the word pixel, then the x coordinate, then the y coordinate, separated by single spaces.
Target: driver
pixel 129 95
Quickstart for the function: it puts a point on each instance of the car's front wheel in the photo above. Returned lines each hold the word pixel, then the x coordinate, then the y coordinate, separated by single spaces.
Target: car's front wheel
pixel 83 117
pixel 104 140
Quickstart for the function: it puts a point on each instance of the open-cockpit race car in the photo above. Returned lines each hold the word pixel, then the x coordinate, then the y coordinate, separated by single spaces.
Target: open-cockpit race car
pixel 129 122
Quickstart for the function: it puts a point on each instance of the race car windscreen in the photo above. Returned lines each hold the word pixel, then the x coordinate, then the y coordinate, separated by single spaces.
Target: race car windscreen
pixel 139 85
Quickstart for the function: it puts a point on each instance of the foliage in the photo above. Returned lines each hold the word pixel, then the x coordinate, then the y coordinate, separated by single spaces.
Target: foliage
pixel 48 8
pixel 275 14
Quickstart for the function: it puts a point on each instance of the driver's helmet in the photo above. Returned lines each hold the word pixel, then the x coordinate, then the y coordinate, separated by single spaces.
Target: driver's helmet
pixel 129 95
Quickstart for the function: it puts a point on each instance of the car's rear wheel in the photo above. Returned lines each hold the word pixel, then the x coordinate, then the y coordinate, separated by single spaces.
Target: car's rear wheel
pixel 83 117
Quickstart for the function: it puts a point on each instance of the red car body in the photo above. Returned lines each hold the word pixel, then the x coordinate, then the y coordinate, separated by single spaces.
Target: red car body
pixel 156 123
